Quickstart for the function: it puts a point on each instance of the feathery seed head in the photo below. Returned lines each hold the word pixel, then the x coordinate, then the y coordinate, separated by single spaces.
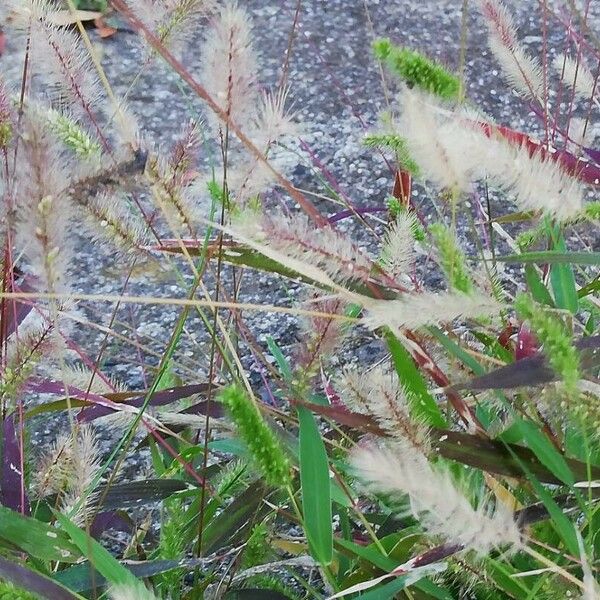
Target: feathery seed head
pixel 499 22
pixel 24 353
pixel 273 120
pixel 44 209
pixel 229 68
pixel 325 248
pixel 427 308
pixel 171 194
pixel 379 393
pixel 59 58
pixel 575 75
pixel 442 509
pixel 70 466
pixel 538 182
pixel 172 21
pixel 521 70
pixel 420 122
pixel 111 224
pixel 397 252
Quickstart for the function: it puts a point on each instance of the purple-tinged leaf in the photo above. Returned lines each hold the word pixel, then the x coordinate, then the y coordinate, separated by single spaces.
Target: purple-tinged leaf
pixel 365 210
pixel 159 398
pixel 81 577
pixel 340 414
pixel 11 486
pixel 593 154
pixel 533 370
pixel 111 520
pixel 52 386
pixel 578 167
pixel 34 582
pixel 527 345
pixel 15 311
pixel 137 493
pixel 255 594
pixel 214 409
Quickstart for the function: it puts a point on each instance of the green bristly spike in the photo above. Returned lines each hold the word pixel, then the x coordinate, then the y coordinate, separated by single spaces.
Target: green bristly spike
pixel 418 70
pixel 9 592
pixel 73 136
pixel 396 143
pixel 452 260
pixel 592 211
pixel 257 547
pixel 558 343
pixel 264 447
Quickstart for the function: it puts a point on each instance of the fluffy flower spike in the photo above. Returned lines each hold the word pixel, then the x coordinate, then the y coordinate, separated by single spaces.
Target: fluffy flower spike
pixel 435 501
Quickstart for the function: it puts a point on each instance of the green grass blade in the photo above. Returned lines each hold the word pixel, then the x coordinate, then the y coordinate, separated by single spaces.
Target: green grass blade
pixel 562 279
pixel 561 523
pixel 553 257
pixel 547 454
pixel 536 286
pixel 316 488
pixel 106 564
pixel 422 404
pixel 33 582
pixel 36 538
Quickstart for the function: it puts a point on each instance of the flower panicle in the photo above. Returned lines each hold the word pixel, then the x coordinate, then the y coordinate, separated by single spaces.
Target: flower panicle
pixel 229 72
pixel 500 21
pixel 452 151
pixel 183 155
pixel 172 196
pixel 558 346
pixel 272 123
pixel 379 393
pixel 172 22
pixel 24 353
pixel 84 464
pixel 451 258
pixel 59 58
pixel 575 74
pixel 418 70
pixel 73 136
pixel 324 248
pixel 264 447
pixel 420 123
pixel 112 225
pixel 44 208
pixel 70 466
pixel 398 249
pixel 273 120
pixel 435 500
pixel 521 70
pixel 427 308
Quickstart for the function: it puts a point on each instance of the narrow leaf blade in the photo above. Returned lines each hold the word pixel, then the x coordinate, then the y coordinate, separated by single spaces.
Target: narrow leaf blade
pixel 316 489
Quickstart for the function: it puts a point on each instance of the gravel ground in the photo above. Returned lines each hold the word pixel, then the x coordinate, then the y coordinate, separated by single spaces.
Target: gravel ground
pixel 336 89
